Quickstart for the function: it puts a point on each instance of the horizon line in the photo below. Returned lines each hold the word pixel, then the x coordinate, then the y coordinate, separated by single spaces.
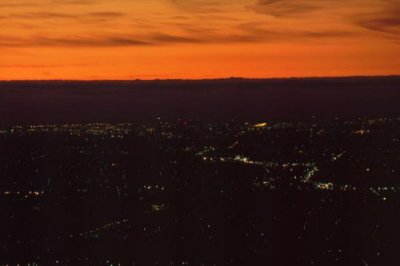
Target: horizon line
pixel 201 79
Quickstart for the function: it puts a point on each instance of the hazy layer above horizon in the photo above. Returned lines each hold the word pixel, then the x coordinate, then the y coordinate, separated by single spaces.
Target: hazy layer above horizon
pixel 241 99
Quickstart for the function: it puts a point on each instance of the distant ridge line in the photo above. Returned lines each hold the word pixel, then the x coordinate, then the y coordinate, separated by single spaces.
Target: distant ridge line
pixel 206 79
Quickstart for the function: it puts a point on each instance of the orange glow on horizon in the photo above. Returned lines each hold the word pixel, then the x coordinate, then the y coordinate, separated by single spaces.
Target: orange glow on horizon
pixel 119 39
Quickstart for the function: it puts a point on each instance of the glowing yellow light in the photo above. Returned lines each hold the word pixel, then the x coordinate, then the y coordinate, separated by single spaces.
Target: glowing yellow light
pixel 260 125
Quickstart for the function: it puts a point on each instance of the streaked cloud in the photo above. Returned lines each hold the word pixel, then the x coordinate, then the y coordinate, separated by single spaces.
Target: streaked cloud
pixel 241 29
pixel 284 7
pixel 252 35
pixel 386 20
pixel 71 42
pixel 43 15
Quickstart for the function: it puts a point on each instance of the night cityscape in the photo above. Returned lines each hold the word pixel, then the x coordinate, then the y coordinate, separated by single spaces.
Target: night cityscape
pixel 316 191
pixel 199 133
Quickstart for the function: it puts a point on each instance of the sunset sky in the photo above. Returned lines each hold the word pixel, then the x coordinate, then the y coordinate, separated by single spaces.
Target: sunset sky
pixel 148 39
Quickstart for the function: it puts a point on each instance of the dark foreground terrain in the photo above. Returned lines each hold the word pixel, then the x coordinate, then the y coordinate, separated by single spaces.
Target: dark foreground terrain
pixel 212 172
pixel 182 192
